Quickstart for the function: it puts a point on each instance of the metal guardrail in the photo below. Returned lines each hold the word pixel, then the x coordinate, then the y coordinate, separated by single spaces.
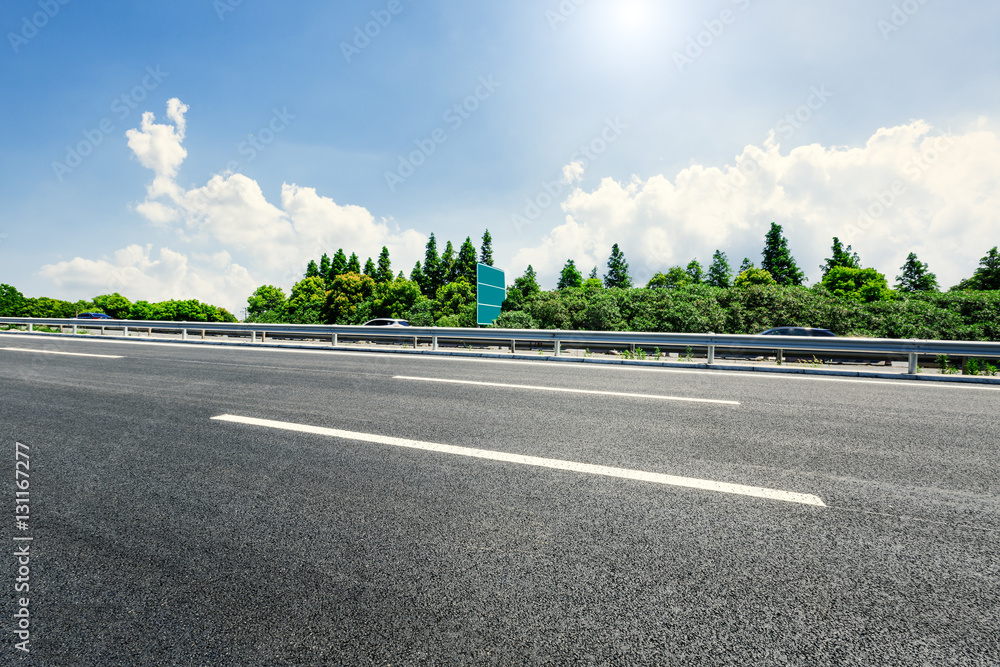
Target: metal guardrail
pixel 709 343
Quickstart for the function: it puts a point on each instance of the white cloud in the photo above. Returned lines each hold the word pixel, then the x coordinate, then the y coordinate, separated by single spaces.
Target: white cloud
pixel 228 215
pixel 909 188
pixel 134 272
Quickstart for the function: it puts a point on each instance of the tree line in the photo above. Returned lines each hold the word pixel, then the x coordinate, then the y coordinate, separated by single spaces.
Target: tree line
pixel 440 290
pixel 14 304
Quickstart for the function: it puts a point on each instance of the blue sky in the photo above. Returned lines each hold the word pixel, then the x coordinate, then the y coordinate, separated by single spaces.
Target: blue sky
pixel 699 157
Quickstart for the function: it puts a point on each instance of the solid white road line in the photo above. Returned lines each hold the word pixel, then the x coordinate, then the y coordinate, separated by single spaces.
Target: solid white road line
pixel 568 391
pixel 68 354
pixel 556 464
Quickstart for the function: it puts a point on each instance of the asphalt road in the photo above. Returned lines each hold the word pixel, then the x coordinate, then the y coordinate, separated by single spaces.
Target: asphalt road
pixel 163 536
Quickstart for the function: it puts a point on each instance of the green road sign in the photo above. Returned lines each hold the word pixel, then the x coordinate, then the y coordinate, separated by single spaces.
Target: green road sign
pixel 491 290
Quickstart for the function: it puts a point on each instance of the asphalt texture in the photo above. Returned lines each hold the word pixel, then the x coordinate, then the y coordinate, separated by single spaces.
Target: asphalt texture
pixel 162 537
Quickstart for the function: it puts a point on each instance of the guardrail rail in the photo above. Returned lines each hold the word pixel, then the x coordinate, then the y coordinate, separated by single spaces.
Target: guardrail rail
pixel 706 345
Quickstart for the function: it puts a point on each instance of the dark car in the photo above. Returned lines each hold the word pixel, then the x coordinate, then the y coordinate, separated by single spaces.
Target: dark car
pixel 93 316
pixel 747 353
pixel 386 322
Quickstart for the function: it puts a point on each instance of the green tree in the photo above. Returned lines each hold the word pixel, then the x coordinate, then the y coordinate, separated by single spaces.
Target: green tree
pixel 370 269
pixel 312 269
pixel 266 298
pixel 524 289
pixel 675 277
pixel 752 277
pixel 140 310
pixel 465 265
pixel 486 249
pixel 693 269
pixel 417 275
pixel 305 305
pixel 456 305
pixel 593 274
pixel 349 291
pixel 746 265
pixel 915 276
pixel 617 275
pixel 338 265
pixel 383 274
pixel 449 272
pixel 719 273
pixel 114 305
pixel 862 285
pixel 570 276
pixel 778 261
pixel 433 274
pixel 353 264
pixel 841 257
pixel 987 276
pixel 12 302
pixel 324 267
pixel 395 298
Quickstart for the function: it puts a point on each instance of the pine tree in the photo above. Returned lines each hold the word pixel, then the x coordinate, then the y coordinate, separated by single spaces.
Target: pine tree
pixel 465 265
pixel 354 264
pixel 778 261
pixel 486 249
pixel 617 275
pixel 417 274
pixel 593 274
pixel 449 274
pixel 312 270
pixel 338 266
pixel 570 276
pixel 324 267
pixel 433 278
pixel 527 284
pixel 693 269
pixel 719 273
pixel 915 276
pixel 746 265
pixel 987 276
pixel 370 268
pixel 383 274
pixel 841 257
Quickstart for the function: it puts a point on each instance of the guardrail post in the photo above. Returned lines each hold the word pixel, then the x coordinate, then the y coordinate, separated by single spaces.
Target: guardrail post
pixel 203 334
pixel 558 348
pixel 334 339
pixel 913 364
pixel 125 331
pixel 780 356
pixel 434 343
pixel 263 336
pixel 184 334
pixel 102 331
pixel 149 332
pixel 711 354
pixel 74 329
pixel 31 327
pixel 513 347
pixel 253 336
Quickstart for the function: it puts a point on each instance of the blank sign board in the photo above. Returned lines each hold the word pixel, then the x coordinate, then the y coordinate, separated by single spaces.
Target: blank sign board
pixel 490 293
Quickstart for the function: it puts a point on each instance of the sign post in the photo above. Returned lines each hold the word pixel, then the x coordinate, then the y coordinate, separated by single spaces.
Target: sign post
pixel 491 290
